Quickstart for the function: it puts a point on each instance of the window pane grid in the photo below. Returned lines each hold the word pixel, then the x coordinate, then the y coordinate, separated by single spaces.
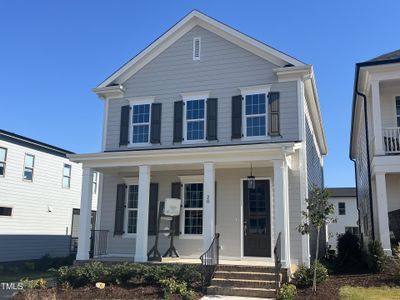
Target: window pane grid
pixel 255 110
pixel 193 208
pixel 193 222
pixel 3 157
pixel 28 167
pixel 195 119
pixel 141 123
pixel 132 205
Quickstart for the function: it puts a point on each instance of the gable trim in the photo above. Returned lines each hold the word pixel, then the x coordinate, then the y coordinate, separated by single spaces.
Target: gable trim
pixel 196 18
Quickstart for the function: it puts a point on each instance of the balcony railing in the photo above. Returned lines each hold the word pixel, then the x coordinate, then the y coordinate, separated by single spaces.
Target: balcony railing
pixel 391 140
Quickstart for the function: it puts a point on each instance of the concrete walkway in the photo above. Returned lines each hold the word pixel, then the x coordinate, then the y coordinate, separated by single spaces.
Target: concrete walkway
pixel 216 297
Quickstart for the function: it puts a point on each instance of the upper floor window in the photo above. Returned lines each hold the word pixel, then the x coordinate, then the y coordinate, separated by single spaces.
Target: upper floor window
pixel 132 209
pixel 342 208
pixel 66 183
pixel 195 120
pixel 95 178
pixel 193 208
pixel 255 115
pixel 28 167
pixel 196 48
pixel 3 159
pixel 140 123
pixel 398 110
pixel 5 211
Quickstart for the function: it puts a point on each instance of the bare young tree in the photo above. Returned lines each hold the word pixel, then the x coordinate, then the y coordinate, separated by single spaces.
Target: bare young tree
pixel 319 213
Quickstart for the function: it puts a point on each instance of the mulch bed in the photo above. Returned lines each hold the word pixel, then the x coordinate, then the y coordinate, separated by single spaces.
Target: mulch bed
pixel 329 290
pixel 110 292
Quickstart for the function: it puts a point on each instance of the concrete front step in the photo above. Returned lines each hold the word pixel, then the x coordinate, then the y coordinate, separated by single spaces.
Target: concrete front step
pixel 245 275
pixel 241 291
pixel 235 268
pixel 223 282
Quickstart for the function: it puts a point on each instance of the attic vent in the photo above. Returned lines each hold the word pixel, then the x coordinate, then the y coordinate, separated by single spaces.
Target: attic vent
pixel 196 48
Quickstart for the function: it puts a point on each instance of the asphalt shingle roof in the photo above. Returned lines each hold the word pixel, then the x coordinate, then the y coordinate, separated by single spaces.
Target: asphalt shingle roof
pixel 387 56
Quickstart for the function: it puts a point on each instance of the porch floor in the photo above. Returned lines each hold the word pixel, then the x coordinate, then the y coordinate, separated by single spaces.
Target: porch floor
pixel 229 262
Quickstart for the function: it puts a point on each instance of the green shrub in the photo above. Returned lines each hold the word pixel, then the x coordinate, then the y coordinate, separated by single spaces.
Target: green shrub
pixel 121 273
pixel 304 275
pixel 33 284
pixel 287 292
pixel 350 256
pixel 376 257
pixel 44 263
pixel 171 286
pixel 29 266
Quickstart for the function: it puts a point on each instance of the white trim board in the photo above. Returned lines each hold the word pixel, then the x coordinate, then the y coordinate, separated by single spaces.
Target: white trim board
pixel 196 18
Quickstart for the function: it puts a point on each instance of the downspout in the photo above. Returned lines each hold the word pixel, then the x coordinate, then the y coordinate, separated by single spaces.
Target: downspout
pixel 368 160
pixel 358 209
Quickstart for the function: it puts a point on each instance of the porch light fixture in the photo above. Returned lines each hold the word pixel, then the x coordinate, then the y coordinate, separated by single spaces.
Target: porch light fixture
pixel 251 180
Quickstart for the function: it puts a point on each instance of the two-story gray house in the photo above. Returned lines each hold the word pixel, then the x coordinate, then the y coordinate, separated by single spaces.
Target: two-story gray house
pixel 196 115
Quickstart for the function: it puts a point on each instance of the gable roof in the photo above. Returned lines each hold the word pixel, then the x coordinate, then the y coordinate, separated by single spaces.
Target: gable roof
pixel 394 55
pixel 196 18
pixel 33 144
pixel 342 192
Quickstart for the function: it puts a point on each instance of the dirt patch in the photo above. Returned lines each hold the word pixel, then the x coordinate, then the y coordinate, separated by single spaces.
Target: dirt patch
pixel 110 292
pixel 329 290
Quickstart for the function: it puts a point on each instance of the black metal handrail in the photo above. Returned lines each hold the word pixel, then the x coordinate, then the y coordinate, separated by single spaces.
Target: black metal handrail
pixel 98 242
pixel 278 263
pixel 210 261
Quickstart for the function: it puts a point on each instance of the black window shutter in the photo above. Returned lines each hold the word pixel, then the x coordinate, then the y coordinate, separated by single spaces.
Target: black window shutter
pixel 273 110
pixel 212 118
pixel 124 126
pixel 176 193
pixel 178 121
pixel 153 203
pixel 155 131
pixel 120 210
pixel 236 117
pixel 215 204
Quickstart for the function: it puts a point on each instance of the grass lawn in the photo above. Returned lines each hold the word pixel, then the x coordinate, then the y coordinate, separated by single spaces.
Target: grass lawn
pixel 370 293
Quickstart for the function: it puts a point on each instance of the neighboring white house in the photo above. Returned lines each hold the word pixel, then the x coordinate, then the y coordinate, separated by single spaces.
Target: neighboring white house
pixel 193 116
pixel 39 189
pixel 375 147
pixel 346 214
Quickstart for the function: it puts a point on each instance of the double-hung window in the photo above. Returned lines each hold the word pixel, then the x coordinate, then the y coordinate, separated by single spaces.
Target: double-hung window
pixel 195 120
pixel 132 209
pixel 141 123
pixel 342 208
pixel 28 167
pixel 3 159
pixel 66 183
pixel 255 115
pixel 193 208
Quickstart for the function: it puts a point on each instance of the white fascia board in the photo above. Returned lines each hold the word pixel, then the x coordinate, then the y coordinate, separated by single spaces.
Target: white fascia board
pixel 185 25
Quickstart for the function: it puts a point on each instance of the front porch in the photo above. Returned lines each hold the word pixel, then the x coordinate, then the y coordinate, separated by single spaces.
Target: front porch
pixel 213 188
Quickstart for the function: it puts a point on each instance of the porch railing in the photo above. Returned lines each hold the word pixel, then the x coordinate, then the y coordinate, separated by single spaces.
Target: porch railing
pixel 98 242
pixel 391 140
pixel 278 263
pixel 209 261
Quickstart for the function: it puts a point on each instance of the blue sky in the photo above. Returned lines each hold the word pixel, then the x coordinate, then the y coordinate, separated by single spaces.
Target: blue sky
pixel 53 52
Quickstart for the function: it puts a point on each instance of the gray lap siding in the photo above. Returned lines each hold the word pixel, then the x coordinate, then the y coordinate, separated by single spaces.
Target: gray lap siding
pixel 222 70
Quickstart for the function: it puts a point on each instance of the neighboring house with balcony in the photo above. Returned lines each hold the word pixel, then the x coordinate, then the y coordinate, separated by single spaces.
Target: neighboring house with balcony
pixel 40 191
pixel 344 201
pixel 375 147
pixel 192 116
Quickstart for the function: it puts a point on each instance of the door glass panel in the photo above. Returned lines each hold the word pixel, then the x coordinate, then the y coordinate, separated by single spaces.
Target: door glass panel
pixel 257 209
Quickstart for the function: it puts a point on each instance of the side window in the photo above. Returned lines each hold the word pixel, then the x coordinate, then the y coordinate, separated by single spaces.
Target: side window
pixel 66 183
pixel 5 211
pixel 28 167
pixel 95 177
pixel 342 208
pixel 3 159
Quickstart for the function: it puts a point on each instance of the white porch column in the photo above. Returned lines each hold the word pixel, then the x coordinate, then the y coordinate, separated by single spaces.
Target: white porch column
pixel 85 215
pixel 377 118
pixel 208 205
pixel 382 207
pixel 143 214
pixel 282 209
